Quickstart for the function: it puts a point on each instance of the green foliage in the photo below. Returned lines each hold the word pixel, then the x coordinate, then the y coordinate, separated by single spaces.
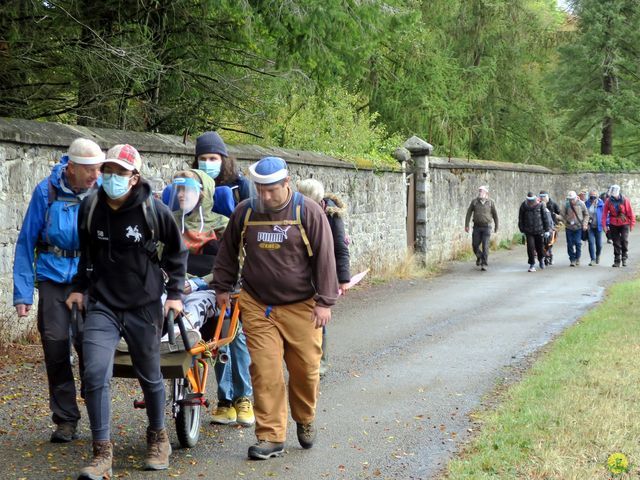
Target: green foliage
pixel 602 163
pixel 475 78
pixel 598 76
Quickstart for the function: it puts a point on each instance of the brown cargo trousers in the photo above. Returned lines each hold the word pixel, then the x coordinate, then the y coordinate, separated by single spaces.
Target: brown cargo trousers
pixel 287 333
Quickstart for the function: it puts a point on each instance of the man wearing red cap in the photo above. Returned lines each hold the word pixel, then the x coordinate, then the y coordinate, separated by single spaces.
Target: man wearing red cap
pixel 50 230
pixel 289 284
pixel 120 269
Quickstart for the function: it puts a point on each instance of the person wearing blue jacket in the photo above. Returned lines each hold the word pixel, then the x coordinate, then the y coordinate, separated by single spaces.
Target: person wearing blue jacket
pixel 47 254
pixel 233 377
pixel 595 205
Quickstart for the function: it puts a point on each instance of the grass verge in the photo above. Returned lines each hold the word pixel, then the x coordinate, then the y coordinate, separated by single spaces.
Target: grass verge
pixel 579 405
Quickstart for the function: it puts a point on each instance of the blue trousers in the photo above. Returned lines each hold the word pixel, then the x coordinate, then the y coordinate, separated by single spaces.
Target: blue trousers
pixel 141 328
pixel 574 244
pixel 234 379
pixel 595 243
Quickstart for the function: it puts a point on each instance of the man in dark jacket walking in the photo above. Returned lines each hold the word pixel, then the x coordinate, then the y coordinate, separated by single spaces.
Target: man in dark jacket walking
pixel 535 225
pixel 119 268
pixel 484 211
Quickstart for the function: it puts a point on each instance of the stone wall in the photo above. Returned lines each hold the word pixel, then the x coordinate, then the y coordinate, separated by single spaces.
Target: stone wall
pixel 452 184
pixel 376 200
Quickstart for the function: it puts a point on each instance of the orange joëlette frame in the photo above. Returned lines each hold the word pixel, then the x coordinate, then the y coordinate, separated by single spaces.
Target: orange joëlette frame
pixel 197 374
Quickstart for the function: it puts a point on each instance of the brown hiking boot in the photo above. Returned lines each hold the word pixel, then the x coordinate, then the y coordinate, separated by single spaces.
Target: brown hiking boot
pixel 158 450
pixel 306 434
pixel 100 466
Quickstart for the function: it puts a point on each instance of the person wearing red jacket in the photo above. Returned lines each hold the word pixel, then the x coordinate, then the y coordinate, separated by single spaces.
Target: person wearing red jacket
pixel 618 219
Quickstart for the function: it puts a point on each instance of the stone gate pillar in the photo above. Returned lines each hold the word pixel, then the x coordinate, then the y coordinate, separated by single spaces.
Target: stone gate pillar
pixel 420 152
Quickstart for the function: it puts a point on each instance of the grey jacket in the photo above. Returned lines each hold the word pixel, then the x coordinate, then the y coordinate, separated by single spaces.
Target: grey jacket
pixel 576 218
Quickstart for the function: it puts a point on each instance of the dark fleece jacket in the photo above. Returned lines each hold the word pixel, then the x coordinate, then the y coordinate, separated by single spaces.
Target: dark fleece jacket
pixel 336 210
pixel 124 275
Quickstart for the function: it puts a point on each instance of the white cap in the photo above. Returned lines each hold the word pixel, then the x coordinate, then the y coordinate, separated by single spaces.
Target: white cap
pixel 83 151
pixel 572 195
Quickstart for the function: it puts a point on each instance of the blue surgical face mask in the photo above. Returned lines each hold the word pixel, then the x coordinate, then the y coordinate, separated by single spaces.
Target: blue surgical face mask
pixel 211 168
pixel 115 185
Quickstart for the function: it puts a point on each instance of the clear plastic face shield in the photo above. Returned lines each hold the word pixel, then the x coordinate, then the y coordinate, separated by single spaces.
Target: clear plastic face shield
pixel 269 186
pixel 185 196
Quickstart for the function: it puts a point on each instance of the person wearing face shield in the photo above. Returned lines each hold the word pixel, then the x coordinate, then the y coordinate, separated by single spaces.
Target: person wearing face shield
pixel 47 254
pixel 124 281
pixel 534 224
pixel 289 283
pixel 201 228
pixel 484 212
pixel 618 219
pixel 595 206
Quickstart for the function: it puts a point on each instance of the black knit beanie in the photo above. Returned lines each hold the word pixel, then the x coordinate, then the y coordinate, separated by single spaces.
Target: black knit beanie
pixel 210 142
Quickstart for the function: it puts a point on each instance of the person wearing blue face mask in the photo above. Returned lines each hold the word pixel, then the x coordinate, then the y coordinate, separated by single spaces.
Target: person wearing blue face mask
pixel 124 280
pixel 234 381
pixel 213 158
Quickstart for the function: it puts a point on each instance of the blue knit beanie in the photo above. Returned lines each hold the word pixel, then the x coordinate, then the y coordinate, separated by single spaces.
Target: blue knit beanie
pixel 210 142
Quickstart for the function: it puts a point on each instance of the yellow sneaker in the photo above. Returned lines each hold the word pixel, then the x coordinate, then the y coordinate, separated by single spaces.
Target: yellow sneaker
pixel 244 409
pixel 224 415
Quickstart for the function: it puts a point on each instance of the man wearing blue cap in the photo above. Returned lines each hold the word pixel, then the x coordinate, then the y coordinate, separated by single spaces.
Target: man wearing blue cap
pixel 289 283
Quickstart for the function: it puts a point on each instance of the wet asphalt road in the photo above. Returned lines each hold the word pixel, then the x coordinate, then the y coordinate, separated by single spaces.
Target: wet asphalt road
pixel 409 361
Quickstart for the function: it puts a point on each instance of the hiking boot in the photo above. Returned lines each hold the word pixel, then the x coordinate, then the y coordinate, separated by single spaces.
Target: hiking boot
pixel 616 263
pixel 541 263
pixel 598 260
pixel 577 262
pixel 100 466
pixel 483 268
pixel 532 268
pixel 158 450
pixel 572 263
pixel 592 263
pixel 244 412
pixel 264 450
pixel 65 432
pixel 478 261
pixel 306 434
pixel 624 262
pixel 225 414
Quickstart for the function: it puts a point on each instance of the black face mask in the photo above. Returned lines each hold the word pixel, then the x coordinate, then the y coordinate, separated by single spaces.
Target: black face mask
pixel 592 198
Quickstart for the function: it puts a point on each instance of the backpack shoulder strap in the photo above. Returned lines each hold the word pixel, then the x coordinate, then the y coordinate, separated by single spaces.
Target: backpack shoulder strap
pixel 298 204
pixel 150 213
pixel 92 201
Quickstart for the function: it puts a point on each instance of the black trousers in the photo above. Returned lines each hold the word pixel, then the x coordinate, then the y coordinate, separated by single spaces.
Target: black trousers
pixel 54 325
pixel 620 239
pixel 480 237
pixel 535 246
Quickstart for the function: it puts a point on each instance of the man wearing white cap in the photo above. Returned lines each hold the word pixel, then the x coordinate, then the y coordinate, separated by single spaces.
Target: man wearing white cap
pixel 50 230
pixel 576 219
pixel 123 276
pixel 289 284
pixel 618 220
pixel 484 211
